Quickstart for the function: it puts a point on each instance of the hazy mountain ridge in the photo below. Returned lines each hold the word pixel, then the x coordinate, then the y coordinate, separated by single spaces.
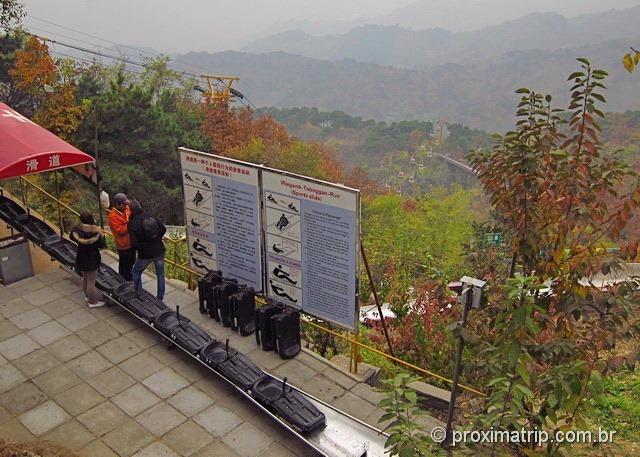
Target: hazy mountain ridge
pixel 467 15
pixel 454 15
pixel 477 94
pixel 407 48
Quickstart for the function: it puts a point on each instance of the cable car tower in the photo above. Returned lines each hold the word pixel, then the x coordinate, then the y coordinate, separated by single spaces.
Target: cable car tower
pixel 220 88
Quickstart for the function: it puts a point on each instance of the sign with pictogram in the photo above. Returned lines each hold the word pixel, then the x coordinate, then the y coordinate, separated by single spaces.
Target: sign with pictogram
pixel 311 231
pixel 222 216
pixel 292 237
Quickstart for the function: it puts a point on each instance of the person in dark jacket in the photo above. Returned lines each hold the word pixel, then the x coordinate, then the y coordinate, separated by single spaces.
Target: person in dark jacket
pixel 90 239
pixel 146 237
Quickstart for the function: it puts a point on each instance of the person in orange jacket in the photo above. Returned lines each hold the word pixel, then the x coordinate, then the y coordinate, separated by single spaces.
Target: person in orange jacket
pixel 118 220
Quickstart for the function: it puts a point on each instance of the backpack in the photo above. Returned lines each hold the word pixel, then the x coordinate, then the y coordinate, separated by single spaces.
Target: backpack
pixel 150 228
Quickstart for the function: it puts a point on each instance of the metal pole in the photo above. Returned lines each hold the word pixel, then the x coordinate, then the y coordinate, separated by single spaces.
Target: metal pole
pixel 25 199
pixel 375 296
pixel 456 375
pixel 95 154
pixel 60 221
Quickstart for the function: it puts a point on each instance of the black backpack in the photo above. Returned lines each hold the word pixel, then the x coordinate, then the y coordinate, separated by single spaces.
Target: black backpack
pixel 150 228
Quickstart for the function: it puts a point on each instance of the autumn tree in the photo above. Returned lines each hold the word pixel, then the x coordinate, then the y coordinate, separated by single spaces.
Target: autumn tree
pixel 556 197
pixel 358 178
pixel 229 128
pixel 60 114
pixel 236 133
pixel 36 74
pixel 34 68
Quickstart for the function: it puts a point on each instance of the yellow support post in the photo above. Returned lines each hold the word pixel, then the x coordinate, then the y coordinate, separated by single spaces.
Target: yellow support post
pixel 355 354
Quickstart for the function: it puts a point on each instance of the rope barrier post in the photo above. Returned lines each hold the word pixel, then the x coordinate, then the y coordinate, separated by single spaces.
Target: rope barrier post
pixel 175 252
pixel 355 351
pixel 375 296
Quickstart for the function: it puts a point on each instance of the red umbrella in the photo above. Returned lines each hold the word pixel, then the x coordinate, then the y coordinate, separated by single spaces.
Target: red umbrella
pixel 27 148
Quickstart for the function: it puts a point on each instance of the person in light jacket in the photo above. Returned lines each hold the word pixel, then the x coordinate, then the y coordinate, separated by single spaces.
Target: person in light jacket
pixel 90 239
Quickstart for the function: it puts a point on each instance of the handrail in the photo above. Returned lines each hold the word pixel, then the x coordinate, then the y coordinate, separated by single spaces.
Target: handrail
pixel 192 273
pixel 174 241
pixel 60 202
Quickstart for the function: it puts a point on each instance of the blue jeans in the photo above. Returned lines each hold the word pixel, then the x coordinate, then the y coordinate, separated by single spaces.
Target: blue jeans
pixel 141 265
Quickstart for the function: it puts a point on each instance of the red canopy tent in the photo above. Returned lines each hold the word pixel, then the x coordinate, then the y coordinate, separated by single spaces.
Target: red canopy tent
pixel 27 148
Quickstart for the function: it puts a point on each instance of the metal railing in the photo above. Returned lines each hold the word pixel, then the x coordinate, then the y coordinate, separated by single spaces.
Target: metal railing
pixel 172 257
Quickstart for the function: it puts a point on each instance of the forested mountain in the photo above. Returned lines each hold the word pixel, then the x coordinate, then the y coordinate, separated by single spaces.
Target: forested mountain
pixel 366 142
pixel 407 48
pixel 479 95
pixel 398 155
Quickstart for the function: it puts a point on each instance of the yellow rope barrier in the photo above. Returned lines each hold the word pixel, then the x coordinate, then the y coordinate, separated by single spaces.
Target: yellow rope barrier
pixel 395 359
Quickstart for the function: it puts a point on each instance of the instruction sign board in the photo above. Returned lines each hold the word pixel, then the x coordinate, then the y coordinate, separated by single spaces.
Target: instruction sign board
pixel 292 238
pixel 311 241
pixel 222 216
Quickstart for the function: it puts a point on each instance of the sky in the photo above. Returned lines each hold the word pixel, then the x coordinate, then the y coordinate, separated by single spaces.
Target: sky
pixel 197 25
pixel 172 26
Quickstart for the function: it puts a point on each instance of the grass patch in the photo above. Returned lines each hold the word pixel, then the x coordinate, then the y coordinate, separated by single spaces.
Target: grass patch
pixel 619 409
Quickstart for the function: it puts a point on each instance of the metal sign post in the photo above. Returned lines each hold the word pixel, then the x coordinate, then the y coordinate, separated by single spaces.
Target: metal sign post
pixel 469 292
pixel 375 296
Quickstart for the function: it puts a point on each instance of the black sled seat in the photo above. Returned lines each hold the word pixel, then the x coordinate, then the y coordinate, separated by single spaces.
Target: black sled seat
pixel 240 370
pixel 286 328
pixel 205 289
pixel 167 321
pixel 288 403
pixel 9 210
pixel 124 292
pixel 64 251
pixel 264 332
pixel 108 279
pixel 233 365
pixel 188 335
pixel 216 352
pixel 222 308
pixel 244 307
pixel 35 229
pixel 141 303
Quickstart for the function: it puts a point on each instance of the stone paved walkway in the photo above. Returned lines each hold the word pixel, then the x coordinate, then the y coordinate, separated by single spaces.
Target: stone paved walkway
pixel 99 382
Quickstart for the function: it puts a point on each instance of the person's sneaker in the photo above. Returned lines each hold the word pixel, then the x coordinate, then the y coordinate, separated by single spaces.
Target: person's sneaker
pixel 97 304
